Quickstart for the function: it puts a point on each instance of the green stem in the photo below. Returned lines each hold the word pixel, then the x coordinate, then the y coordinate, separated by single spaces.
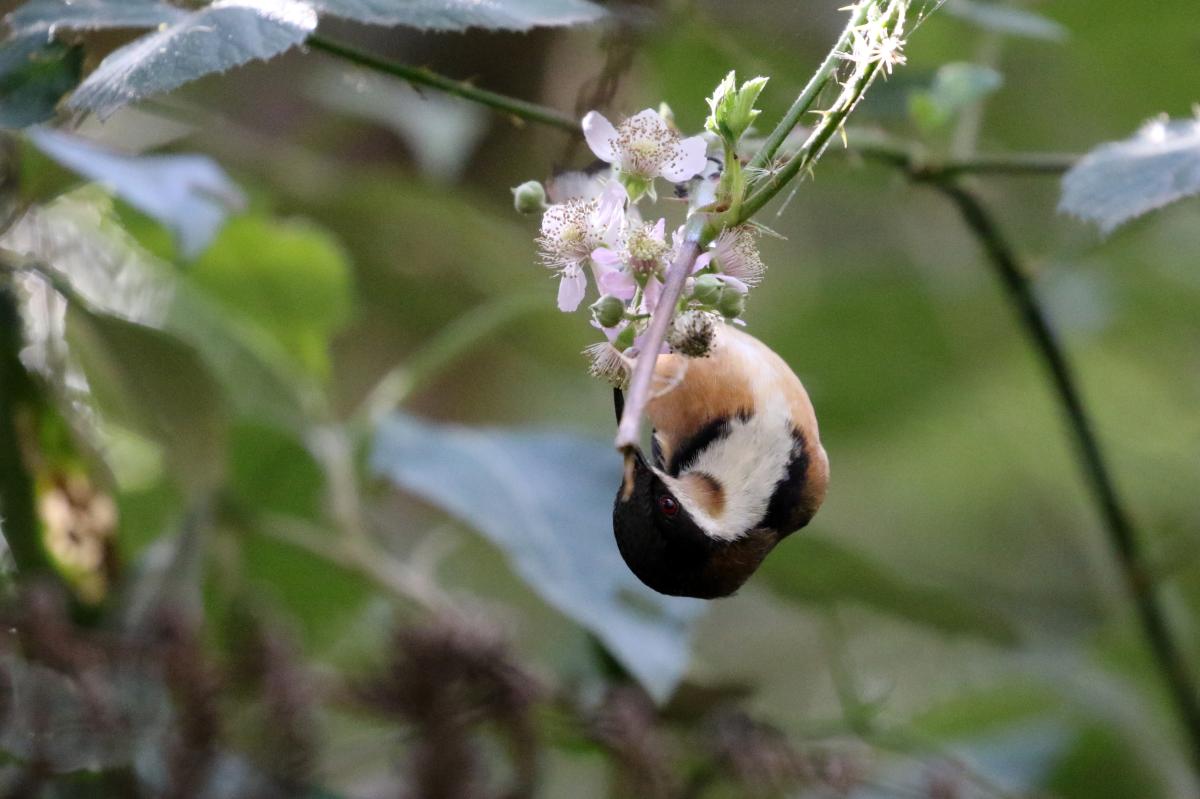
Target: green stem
pixel 913 159
pixel 831 122
pixel 629 428
pixel 17 397
pixel 450 343
pixel 808 95
pixel 420 76
pixel 1122 536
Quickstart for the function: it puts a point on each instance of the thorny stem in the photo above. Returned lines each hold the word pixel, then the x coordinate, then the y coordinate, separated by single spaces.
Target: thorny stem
pixel 629 429
pixel 1131 560
pixel 831 122
pixel 420 76
pixel 701 231
pixel 808 95
pixel 920 165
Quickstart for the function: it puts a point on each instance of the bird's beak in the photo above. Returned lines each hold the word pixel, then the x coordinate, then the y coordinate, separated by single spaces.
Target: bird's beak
pixel 635 463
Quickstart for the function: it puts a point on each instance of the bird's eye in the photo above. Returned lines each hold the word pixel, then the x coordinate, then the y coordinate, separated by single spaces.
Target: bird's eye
pixel 668 505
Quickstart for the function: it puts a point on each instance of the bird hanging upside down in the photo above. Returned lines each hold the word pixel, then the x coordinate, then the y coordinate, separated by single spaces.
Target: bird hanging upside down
pixel 738 465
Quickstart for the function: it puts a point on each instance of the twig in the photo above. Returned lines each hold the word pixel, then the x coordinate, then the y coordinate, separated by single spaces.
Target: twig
pixel 808 95
pixel 443 349
pixel 520 109
pixel 1122 536
pixel 920 165
pixel 629 429
pixel 381 568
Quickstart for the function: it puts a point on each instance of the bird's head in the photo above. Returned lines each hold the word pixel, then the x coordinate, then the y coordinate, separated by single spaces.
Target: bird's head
pixel 667 550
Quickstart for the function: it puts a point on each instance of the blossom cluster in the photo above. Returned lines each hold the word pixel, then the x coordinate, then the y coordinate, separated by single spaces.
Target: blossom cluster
pixel 594 227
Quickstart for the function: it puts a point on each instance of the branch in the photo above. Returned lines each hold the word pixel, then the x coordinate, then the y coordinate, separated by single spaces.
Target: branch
pixel 446 346
pixel 808 95
pixel 629 429
pixel 1132 561
pixel 831 122
pixel 420 76
pixel 913 158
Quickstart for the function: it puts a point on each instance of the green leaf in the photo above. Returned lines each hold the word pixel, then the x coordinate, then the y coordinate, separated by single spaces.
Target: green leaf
pixel 78 240
pixel 322 597
pixel 156 385
pixel 213 39
pixel 1006 19
pixel 1101 765
pixel 546 500
pixel 287 278
pixel 43 17
pixel 955 88
pixel 1120 181
pixel 34 75
pixel 812 570
pixel 457 15
pixel 190 194
pixel 272 471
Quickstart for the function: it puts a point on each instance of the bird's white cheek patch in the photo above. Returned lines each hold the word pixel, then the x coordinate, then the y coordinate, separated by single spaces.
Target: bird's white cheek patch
pixel 703 491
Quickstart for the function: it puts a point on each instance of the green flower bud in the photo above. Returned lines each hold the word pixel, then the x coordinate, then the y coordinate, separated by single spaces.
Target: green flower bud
pixel 732 108
pixel 608 310
pixel 529 197
pixel 732 304
pixel 708 290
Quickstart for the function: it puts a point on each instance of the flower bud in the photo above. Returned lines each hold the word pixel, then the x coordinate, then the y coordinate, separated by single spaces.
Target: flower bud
pixel 666 113
pixel 692 333
pixel 732 109
pixel 608 310
pixel 708 290
pixel 529 197
pixel 732 304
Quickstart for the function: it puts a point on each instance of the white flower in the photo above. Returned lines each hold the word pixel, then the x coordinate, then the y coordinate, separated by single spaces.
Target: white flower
pixel 880 40
pixel 736 255
pixel 571 231
pixel 609 364
pixel 645 147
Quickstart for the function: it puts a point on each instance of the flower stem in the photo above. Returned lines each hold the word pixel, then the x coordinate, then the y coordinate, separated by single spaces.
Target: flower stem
pixel 831 121
pixel 629 429
pixel 913 159
pixel 808 95
pixel 420 76
pixel 1122 536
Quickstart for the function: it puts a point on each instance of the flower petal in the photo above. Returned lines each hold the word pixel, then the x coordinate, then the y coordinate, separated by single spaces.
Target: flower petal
pixel 610 212
pixel 600 135
pixel 618 283
pixel 702 261
pixel 659 231
pixel 653 291
pixel 734 283
pixel 650 120
pixel 571 289
pixel 689 159
pixel 606 259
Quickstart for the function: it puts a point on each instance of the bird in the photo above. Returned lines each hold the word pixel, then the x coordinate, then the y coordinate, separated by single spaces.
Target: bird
pixel 737 466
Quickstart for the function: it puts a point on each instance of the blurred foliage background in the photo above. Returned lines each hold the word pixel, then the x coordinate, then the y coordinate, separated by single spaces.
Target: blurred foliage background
pixel 308 594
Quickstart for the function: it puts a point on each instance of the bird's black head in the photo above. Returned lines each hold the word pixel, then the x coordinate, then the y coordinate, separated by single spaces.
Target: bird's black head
pixel 662 544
